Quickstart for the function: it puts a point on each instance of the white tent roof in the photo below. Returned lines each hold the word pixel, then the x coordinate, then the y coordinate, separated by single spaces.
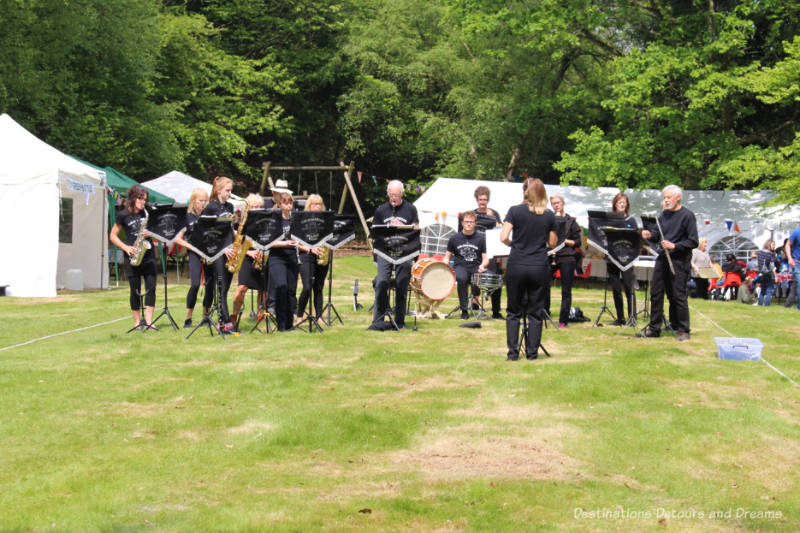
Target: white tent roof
pixel 447 197
pixel 180 186
pixel 34 178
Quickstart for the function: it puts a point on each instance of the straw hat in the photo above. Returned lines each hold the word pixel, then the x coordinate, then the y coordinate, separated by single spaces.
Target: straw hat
pixel 281 186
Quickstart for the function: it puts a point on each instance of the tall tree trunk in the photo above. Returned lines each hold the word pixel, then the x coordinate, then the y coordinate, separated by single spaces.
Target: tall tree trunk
pixel 512 164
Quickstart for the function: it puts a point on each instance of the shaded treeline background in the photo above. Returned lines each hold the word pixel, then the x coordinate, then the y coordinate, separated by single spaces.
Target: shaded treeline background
pixel 631 93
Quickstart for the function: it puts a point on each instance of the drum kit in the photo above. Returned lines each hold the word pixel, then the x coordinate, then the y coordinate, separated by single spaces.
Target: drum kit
pixel 433 281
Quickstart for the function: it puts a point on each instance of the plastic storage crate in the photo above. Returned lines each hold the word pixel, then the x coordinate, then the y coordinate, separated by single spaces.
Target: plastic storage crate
pixel 739 349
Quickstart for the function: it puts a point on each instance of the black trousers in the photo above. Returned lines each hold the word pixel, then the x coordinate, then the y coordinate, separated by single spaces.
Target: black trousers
pixel 319 271
pixel 622 281
pixel 147 271
pixel 674 286
pixel 567 269
pixel 463 284
pixel 402 275
pixel 701 287
pixel 198 270
pixel 220 282
pixel 526 289
pixel 283 285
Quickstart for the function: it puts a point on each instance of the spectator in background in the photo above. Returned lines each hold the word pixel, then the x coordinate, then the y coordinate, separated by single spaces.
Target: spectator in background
pixel 766 272
pixel 700 259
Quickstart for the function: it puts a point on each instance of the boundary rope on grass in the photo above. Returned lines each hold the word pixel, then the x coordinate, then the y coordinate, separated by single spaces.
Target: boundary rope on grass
pixel 732 335
pixel 4 348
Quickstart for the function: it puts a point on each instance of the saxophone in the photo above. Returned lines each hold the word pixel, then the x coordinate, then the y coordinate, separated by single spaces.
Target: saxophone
pixel 240 245
pixel 324 256
pixel 141 244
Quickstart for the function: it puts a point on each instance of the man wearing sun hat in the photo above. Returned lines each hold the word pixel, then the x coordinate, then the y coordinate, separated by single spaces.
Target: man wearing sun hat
pixel 281 186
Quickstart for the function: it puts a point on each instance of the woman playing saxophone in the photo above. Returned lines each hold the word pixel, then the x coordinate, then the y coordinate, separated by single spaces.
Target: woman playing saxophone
pixel 131 219
pixel 313 266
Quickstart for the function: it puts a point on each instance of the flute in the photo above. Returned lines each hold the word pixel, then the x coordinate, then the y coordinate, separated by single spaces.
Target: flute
pixel 666 252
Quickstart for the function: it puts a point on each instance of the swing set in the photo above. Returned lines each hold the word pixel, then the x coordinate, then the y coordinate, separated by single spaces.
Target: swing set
pixel 346 170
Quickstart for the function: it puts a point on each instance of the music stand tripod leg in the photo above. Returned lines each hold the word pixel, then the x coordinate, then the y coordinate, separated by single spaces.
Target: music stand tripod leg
pixel 165 311
pixel 605 308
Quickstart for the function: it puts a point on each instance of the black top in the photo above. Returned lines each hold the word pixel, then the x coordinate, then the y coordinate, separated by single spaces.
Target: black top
pixel 215 209
pixel 529 238
pixel 568 229
pixel 405 213
pixel 484 220
pixel 130 222
pixel 680 228
pixel 467 249
pixel 284 253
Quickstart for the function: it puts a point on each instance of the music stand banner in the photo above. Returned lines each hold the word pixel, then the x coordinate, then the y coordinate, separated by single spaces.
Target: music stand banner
pixel 264 227
pixel 650 224
pixel 610 233
pixel 211 236
pixel 166 222
pixel 343 231
pixel 311 228
pixel 396 245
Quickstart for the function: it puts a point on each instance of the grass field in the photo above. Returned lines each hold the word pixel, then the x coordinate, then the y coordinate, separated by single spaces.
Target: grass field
pixel 382 431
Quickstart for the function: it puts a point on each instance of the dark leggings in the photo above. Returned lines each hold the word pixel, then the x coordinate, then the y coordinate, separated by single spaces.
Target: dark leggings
pixel 567 269
pixel 306 267
pixel 196 270
pixel 283 282
pixel 146 270
pixel 526 292
pixel 223 277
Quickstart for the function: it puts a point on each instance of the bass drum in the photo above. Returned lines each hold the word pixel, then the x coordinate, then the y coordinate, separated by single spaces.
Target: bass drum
pixel 432 279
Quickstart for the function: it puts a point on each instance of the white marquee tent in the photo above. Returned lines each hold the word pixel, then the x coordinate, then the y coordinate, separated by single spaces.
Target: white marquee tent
pixel 745 210
pixel 179 186
pixel 53 216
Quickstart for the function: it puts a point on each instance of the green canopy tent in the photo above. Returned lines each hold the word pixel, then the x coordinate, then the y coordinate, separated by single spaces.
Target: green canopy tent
pixel 119 184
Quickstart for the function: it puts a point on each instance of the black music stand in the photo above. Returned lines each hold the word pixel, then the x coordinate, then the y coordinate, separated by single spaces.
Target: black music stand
pixel 343 232
pixel 208 240
pixel 166 223
pixel 264 227
pixel 613 234
pixel 396 245
pixel 311 229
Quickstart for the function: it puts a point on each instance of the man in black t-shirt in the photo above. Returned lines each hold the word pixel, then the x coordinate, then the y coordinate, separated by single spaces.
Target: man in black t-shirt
pixel 679 238
pixel 395 212
pixel 468 251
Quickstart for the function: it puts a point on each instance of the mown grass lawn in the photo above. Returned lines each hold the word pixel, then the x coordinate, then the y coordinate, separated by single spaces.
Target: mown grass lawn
pixel 359 430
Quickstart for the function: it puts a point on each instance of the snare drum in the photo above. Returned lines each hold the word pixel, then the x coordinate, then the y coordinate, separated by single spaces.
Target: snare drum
pixel 432 279
pixel 488 281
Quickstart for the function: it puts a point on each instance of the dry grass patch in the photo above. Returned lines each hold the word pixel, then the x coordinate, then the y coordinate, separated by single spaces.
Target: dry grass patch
pixel 252 426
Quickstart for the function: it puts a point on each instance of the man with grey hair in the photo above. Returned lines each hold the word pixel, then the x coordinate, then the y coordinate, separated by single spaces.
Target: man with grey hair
pixel 673 265
pixel 395 212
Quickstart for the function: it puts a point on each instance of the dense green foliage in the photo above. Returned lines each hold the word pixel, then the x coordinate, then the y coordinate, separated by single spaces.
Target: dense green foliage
pixel 634 94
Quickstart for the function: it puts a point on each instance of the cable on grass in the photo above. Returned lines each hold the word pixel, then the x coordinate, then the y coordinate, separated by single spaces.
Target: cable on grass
pixel 4 348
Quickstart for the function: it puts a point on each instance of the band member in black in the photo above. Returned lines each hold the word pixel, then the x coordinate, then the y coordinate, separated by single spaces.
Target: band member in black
pixel 283 268
pixel 678 240
pixel 528 272
pixel 622 280
pixel 251 275
pixel 197 268
pixel 489 219
pixel 395 212
pixel 468 249
pixel 130 219
pixel 220 206
pixel 566 258
pixel 313 264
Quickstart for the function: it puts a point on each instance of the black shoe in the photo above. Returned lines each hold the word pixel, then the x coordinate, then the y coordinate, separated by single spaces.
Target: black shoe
pixel 683 336
pixel 532 357
pixel 475 306
pixel 512 358
pixel 650 333
pixel 464 315
pixel 618 322
pixel 187 323
pixel 498 316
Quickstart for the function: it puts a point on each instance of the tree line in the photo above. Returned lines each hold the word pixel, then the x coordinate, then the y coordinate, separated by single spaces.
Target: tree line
pixel 629 93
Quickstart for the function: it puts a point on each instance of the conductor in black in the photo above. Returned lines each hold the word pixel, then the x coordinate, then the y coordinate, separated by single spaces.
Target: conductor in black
pixel 679 238
pixel 395 212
